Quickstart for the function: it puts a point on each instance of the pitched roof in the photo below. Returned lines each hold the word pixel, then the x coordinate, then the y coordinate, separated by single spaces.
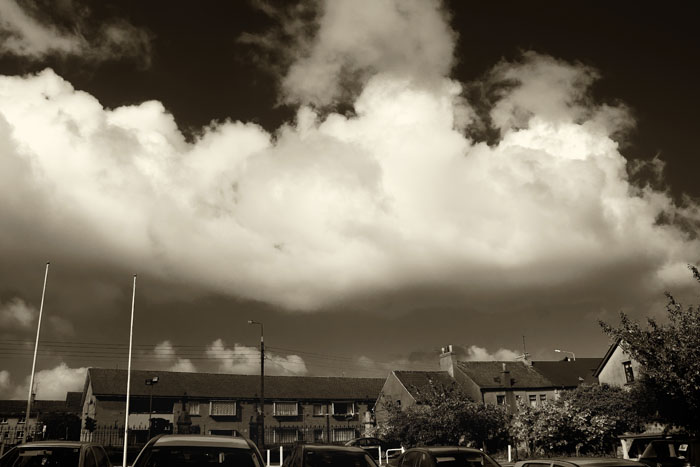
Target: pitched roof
pixel 213 385
pixel 16 408
pixel 420 382
pixel 606 357
pixel 568 373
pixel 488 374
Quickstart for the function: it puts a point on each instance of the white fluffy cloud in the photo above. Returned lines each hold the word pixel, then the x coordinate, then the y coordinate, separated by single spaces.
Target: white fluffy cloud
pixel 344 209
pixel 480 354
pixel 17 314
pixel 54 383
pixel 359 38
pixel 4 381
pixel 24 35
pixel 242 359
pixel 166 354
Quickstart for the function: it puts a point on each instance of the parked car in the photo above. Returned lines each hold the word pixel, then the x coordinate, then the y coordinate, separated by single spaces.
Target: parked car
pixel 195 450
pixel 328 455
pixel 579 462
pixel 56 453
pixel 671 453
pixel 444 456
pixel 371 445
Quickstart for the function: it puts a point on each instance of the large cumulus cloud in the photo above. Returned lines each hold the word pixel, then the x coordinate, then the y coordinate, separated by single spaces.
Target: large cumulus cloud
pixel 346 209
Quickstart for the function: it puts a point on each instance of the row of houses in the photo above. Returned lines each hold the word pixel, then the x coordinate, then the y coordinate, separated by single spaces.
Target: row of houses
pixel 317 409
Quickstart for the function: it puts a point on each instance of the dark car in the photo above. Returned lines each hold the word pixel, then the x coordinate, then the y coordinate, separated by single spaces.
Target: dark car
pixel 56 453
pixel 444 456
pixel 671 453
pixel 328 455
pixel 579 462
pixel 372 445
pixel 196 450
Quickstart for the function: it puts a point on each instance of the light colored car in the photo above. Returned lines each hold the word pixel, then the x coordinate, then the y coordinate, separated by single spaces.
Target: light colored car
pixel 56 454
pixel 579 462
pixel 196 450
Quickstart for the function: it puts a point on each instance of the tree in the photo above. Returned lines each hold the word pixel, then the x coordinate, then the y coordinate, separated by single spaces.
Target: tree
pixel 446 416
pixel 669 355
pixel 61 426
pixel 586 420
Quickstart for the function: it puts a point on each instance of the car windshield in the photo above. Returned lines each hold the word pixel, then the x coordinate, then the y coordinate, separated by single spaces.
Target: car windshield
pixel 176 456
pixel 48 456
pixel 338 459
pixel 464 459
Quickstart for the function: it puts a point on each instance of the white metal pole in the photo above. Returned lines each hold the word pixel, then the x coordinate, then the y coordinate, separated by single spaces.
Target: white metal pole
pixel 128 374
pixel 36 348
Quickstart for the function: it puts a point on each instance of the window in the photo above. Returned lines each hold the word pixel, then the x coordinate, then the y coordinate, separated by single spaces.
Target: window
pixel 343 434
pixel 319 410
pixel 533 400
pixel 3 420
pixel 543 398
pixel 629 372
pixel 319 436
pixel 89 460
pixel 285 435
pixel 343 408
pixel 222 408
pixel 500 399
pixel 19 434
pixel 285 409
pixel 21 421
pixel 193 408
pixel 101 456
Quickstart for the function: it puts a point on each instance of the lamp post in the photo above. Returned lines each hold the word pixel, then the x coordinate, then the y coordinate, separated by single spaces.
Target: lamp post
pixel 573 355
pixel 150 382
pixel 261 412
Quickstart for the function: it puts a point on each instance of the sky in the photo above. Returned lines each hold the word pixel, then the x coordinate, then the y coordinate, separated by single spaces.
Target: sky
pixel 370 179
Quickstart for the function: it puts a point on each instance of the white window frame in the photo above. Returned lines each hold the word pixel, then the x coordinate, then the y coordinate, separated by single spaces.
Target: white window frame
pixel 345 430
pixel 323 412
pixel 193 408
pixel 351 404
pixel 277 433
pixel 276 414
pixel 228 401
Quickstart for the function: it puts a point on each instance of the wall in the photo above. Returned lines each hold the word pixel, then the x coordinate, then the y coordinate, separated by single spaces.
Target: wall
pixel 392 391
pixel 613 373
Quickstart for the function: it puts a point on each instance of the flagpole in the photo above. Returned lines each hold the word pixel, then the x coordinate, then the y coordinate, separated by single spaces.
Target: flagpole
pixel 36 347
pixel 128 374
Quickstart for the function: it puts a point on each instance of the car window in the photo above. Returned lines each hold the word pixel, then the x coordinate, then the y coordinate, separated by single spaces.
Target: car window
pixel 542 464
pixel 48 456
pixel 409 459
pixel 9 457
pixel 101 456
pixel 424 460
pixel 326 458
pixel 188 456
pixel 89 458
pixel 465 459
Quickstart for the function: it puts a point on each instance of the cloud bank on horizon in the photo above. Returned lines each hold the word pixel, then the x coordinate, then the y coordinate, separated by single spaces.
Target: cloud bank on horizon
pixel 395 200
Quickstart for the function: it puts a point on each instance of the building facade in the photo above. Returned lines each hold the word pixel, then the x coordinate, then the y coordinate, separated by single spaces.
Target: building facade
pixel 314 409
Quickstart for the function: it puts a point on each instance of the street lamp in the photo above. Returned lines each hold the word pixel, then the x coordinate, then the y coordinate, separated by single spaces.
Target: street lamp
pixel 150 382
pixel 261 413
pixel 573 356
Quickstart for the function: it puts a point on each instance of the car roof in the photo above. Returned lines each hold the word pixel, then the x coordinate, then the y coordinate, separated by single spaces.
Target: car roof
pixel 201 440
pixel 332 447
pixel 584 461
pixel 446 449
pixel 55 444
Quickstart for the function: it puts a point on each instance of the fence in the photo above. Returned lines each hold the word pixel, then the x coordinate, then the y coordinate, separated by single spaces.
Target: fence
pixel 282 435
pixel 12 435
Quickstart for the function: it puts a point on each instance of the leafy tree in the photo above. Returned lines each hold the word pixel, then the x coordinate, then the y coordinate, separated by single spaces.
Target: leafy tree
pixel 586 420
pixel 446 416
pixel 61 426
pixel 669 355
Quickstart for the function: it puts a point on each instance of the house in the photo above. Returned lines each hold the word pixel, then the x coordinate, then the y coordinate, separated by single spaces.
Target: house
pixel 617 368
pixel 489 382
pixel 13 420
pixel 315 409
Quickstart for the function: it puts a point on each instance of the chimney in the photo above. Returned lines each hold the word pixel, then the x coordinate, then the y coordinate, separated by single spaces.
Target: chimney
pixel 448 360
pixel 505 377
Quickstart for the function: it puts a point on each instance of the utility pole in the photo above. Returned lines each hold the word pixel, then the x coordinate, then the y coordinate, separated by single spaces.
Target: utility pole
pixel 261 413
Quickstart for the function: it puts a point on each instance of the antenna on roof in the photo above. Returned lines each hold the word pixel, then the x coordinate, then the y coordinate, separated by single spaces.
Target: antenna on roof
pixel 525 356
